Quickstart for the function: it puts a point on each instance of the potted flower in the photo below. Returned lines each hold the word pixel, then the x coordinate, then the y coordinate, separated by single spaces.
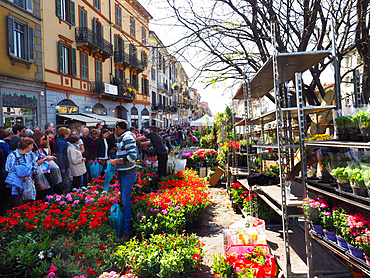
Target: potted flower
pixel 312 212
pixel 327 220
pixel 222 268
pixel 243 145
pixel 355 226
pixel 367 180
pixel 356 178
pixel 364 122
pixel 341 176
pixel 340 223
pixel 363 242
pixel 353 127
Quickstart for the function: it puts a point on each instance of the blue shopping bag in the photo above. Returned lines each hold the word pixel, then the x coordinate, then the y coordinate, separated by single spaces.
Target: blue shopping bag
pixel 116 219
pixel 109 173
pixel 95 170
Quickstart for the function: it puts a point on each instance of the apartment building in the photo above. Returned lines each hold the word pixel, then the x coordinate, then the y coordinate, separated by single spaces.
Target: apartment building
pixel 22 90
pixel 163 84
pixel 95 56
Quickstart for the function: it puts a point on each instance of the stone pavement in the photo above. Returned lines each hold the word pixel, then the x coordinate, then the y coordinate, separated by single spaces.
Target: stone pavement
pixel 217 217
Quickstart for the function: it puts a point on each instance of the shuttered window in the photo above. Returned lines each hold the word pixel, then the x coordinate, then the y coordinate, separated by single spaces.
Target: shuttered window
pixel 98 71
pixel 118 17
pixel 67 59
pixel 84 66
pixel 25 4
pixel 83 18
pixel 20 40
pixel 97 4
pixel 132 25
pixel 65 10
pixel 144 36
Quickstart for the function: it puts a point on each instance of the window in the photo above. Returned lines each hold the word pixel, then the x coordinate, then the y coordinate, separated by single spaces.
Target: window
pixel 153 74
pixel 144 86
pixel 67 59
pixel 120 74
pixel 144 36
pixel 118 17
pixel 97 4
pixel 83 18
pixel 25 4
pixel 134 81
pixel 98 71
pixel 143 59
pixel 98 29
pixel 132 28
pixel 84 66
pixel 119 48
pixel 66 11
pixel 20 40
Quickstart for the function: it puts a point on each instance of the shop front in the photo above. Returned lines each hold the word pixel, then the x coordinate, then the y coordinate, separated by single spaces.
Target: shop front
pixel 134 117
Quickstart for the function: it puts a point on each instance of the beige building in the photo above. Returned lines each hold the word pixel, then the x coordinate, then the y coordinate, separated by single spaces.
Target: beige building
pixel 95 59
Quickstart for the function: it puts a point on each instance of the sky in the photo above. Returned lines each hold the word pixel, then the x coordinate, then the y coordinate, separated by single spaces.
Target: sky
pixel 169 31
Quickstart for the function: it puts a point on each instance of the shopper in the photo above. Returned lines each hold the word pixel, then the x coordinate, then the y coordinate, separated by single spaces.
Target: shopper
pixel 160 150
pixel 80 144
pixel 4 146
pixel 20 164
pixel 10 135
pixel 18 131
pixel 125 163
pixel 50 136
pixel 102 150
pixel 41 144
pixel 60 150
pixel 95 143
pixel 76 161
pixel 87 140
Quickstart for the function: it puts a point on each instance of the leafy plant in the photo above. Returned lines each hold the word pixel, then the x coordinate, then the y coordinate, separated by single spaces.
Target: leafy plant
pixel 356 175
pixel 341 174
pixel 222 267
pixel 327 220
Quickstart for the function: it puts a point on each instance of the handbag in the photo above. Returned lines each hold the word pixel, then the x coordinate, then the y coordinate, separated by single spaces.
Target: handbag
pixel 29 189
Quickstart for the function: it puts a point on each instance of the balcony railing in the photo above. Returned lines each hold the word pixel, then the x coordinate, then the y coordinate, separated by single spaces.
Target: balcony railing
pixel 154 107
pixel 170 92
pixel 129 61
pixel 160 107
pixel 96 43
pixel 162 87
pixel 121 58
pixel 125 90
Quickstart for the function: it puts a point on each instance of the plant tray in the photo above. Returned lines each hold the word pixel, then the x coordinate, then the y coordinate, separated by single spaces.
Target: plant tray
pixel 362 262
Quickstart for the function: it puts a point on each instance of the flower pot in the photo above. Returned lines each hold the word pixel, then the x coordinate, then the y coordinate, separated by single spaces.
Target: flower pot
pixel 341 242
pixel 359 189
pixel 317 229
pixel 342 134
pixel 344 186
pixel 356 252
pixel 330 235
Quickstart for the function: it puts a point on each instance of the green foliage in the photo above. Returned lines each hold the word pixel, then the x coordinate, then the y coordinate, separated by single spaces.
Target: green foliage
pixel 223 268
pixel 162 256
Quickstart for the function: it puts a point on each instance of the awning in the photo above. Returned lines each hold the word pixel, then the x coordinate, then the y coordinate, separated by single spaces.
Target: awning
pixel 88 121
pixel 108 120
pixel 157 120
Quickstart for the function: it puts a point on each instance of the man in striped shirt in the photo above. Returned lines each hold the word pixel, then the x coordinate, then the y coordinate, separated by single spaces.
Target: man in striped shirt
pixel 125 163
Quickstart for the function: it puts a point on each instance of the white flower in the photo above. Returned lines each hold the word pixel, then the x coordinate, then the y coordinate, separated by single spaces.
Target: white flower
pixel 41 255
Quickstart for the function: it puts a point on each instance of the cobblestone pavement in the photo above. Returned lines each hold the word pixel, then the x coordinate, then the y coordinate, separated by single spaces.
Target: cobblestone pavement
pixel 217 217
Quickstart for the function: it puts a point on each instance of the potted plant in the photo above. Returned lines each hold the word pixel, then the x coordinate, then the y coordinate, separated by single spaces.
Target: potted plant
pixel 222 268
pixel 341 122
pixel 353 127
pixel 340 222
pixel 365 125
pixel 327 220
pixel 356 178
pixel 311 210
pixel 243 145
pixel 363 242
pixel 341 176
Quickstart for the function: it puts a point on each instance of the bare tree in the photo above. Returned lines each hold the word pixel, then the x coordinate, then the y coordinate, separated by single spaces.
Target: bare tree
pixel 235 34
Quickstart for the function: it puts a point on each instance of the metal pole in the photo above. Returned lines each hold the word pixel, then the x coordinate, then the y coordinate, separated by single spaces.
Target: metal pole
pixel 279 133
pixel 338 95
pixel 301 123
pixel 357 89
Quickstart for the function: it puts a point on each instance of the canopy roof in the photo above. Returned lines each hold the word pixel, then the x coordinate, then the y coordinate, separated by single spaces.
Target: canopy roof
pixel 204 121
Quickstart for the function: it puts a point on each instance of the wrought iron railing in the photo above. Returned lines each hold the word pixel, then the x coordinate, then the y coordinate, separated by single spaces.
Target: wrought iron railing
pixel 84 34
pixel 162 87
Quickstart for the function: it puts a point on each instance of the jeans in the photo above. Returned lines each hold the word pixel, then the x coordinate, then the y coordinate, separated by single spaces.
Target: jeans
pixel 162 164
pixel 126 181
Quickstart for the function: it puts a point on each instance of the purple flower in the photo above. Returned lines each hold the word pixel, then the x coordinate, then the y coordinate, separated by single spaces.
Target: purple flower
pixel 115 200
pixel 58 198
pixel 62 203
pixel 138 215
pixel 49 197
pixel 170 204
pixel 177 208
pixel 327 213
pixel 164 212
pixel 151 209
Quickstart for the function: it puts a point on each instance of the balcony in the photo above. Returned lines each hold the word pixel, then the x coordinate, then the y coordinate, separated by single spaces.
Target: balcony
pixel 162 88
pixel 154 108
pixel 169 92
pixel 173 110
pixel 160 107
pixel 93 41
pixel 136 64
pixel 125 90
pixel 121 58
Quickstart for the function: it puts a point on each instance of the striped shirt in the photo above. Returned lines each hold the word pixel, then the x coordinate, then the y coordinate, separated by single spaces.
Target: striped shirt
pixel 126 149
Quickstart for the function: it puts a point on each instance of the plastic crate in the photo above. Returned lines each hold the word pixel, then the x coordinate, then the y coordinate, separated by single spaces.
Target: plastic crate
pixel 262 271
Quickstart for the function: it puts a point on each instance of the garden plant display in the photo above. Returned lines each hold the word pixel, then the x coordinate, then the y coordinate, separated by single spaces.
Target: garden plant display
pixel 70 236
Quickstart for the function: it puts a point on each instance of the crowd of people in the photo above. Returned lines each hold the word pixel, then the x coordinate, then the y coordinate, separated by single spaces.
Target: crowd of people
pixel 27 153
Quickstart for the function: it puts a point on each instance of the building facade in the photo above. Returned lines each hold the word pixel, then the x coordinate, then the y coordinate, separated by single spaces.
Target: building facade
pixel 22 90
pixel 96 56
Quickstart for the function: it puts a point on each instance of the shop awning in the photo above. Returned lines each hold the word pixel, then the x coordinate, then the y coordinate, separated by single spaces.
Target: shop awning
pixel 157 120
pixel 88 121
pixel 108 120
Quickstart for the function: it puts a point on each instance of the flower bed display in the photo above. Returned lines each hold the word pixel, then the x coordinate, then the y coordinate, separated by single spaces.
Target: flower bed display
pixel 70 235
pixel 164 256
